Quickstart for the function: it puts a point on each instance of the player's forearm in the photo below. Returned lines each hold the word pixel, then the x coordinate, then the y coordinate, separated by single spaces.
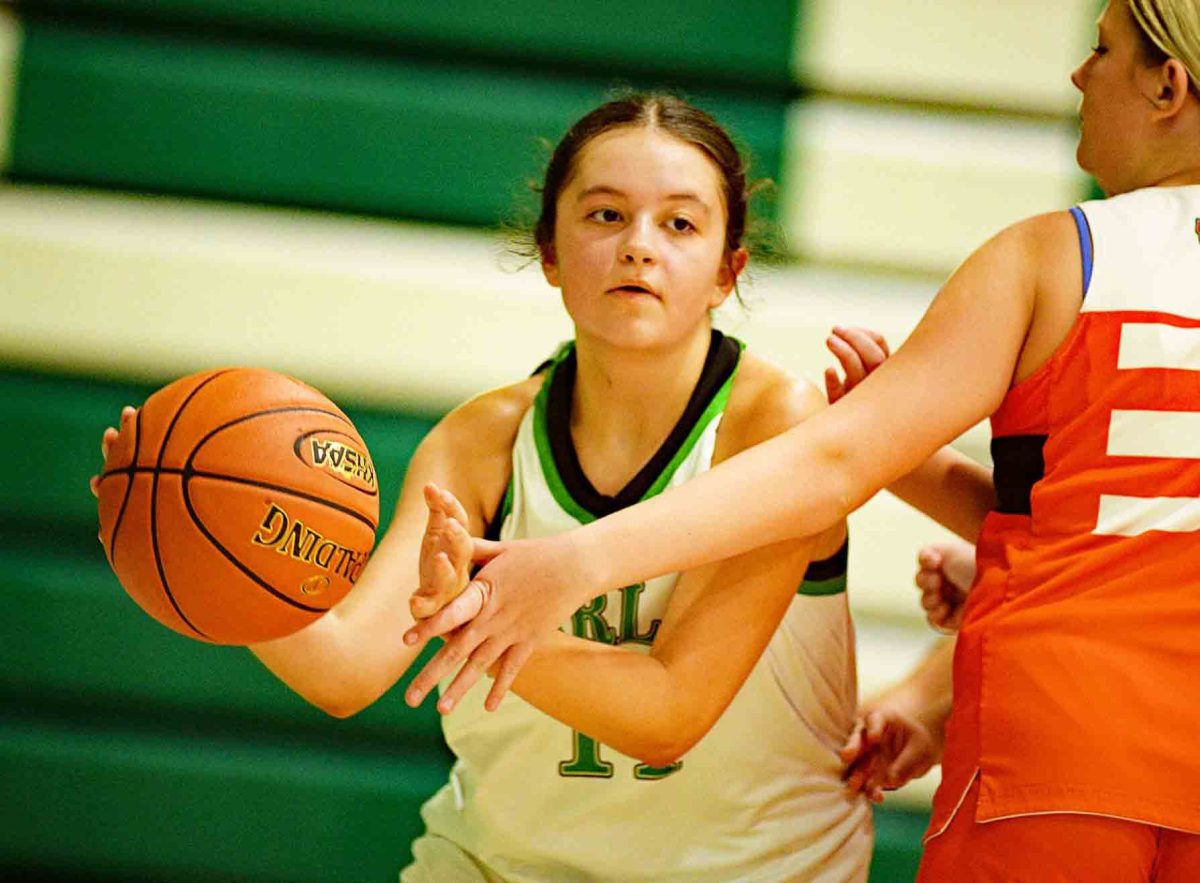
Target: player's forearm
pixel 797 484
pixel 348 658
pixel 952 489
pixel 621 697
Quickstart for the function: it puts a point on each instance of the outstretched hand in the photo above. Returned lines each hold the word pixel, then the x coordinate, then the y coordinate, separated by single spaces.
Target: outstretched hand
pixel 445 565
pixel 946 573
pixel 859 351
pixel 885 751
pixel 508 608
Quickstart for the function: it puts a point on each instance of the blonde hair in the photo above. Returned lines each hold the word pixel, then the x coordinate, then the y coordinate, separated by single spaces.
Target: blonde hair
pixel 1173 27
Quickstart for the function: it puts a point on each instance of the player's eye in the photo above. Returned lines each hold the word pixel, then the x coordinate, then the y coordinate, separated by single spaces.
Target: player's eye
pixel 605 215
pixel 681 225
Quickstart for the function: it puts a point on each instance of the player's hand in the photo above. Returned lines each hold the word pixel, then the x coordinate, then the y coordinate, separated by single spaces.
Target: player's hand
pixel 445 564
pixel 886 750
pixel 859 351
pixel 106 442
pixel 523 592
pixel 946 572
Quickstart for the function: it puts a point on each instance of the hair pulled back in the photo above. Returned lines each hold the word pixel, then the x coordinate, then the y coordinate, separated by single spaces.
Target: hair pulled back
pixel 665 113
pixel 1170 29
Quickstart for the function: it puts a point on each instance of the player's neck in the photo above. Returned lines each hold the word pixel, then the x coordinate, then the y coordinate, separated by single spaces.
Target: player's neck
pixel 625 404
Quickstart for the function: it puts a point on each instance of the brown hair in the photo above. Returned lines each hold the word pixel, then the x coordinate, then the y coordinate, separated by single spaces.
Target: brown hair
pixel 669 114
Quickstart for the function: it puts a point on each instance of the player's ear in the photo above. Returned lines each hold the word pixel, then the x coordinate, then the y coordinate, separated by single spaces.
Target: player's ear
pixel 727 276
pixel 1169 87
pixel 549 265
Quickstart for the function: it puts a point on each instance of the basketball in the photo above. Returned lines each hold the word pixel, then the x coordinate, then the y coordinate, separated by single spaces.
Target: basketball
pixel 238 505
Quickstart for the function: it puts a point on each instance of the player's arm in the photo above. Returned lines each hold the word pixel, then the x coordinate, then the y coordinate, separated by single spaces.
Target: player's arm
pixel 656 706
pixel 352 655
pixel 953 371
pixel 718 621
pixel 949 487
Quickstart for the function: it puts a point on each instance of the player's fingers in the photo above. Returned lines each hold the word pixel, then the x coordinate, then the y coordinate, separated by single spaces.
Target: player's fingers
pixel 833 386
pixel 930 557
pixel 853 747
pixel 94 485
pixel 468 675
pixel 453 508
pixel 875 795
pixel 930 600
pixel 865 346
pixel 873 728
pixel 485 550
pixel 511 663
pixel 106 441
pixel 460 546
pixel 462 609
pixel 851 364
pixel 928 580
pixel 445 662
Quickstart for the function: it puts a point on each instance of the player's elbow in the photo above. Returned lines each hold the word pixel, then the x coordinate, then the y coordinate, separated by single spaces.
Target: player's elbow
pixel 341 702
pixel 668 744
pixel 339 709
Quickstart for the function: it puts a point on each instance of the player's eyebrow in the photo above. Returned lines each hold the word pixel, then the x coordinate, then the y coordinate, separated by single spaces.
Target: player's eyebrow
pixel 605 190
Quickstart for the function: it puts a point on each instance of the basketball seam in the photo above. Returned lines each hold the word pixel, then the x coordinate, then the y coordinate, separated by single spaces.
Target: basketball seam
pixel 162 450
pixel 308 409
pixel 187 501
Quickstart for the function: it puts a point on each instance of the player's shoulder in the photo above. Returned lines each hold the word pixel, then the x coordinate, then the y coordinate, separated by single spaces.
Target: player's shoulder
pixel 764 401
pixel 1046 237
pixel 488 422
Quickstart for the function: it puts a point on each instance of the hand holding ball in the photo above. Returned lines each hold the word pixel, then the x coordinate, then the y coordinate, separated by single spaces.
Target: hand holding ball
pixel 238 505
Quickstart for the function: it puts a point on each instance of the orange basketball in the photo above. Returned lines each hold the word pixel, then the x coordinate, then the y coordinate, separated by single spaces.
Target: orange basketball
pixel 238 505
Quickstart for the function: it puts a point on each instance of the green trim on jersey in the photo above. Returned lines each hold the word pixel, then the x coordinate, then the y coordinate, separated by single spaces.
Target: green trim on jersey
pixel 832 586
pixel 541 438
pixel 715 407
pixel 546 456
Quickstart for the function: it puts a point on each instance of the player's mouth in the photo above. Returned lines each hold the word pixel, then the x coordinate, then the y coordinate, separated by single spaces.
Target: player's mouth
pixel 633 289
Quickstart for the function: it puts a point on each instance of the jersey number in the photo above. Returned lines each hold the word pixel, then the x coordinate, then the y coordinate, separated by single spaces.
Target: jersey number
pixel 589 622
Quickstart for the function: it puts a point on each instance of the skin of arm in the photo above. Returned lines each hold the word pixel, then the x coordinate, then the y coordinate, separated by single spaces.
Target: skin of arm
pixel 949 487
pixel 981 332
pixel 352 655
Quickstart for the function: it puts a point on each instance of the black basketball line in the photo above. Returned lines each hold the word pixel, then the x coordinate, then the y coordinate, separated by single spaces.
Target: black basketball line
pixel 162 575
pixel 187 501
pixel 137 444
pixel 236 479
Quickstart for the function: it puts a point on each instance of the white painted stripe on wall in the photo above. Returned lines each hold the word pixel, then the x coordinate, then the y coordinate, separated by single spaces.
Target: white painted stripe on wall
pixel 1154 434
pixel 1132 516
pixel 10 53
pixel 1155 345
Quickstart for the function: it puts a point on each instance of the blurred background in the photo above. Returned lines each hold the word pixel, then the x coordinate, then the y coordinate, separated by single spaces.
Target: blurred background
pixel 316 187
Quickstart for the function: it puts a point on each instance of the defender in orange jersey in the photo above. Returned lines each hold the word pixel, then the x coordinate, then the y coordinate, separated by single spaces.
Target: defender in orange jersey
pixel 1078 662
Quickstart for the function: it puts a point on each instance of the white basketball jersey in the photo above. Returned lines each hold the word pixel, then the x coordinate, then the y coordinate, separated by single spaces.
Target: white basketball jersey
pixel 759 798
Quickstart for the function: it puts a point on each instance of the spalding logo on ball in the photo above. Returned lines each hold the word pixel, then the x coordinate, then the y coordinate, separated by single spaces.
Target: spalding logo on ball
pixel 238 506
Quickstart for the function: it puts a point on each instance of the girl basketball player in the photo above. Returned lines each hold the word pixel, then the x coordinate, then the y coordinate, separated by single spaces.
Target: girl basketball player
pixel 1070 750
pixel 697 716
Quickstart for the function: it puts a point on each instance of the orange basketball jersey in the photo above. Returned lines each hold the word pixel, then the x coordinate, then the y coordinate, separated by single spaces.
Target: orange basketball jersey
pixel 1077 671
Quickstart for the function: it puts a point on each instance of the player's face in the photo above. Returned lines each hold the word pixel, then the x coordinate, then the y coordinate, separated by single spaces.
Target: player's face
pixel 1118 94
pixel 639 240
